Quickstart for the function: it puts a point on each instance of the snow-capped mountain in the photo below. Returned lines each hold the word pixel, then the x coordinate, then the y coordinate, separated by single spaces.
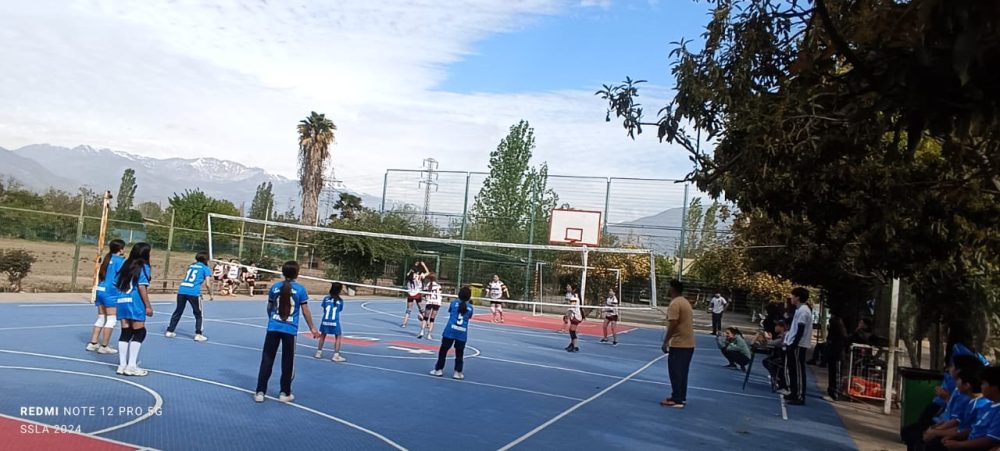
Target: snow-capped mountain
pixel 41 166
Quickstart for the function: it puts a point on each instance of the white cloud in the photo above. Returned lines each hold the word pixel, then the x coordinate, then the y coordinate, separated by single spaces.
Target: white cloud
pixel 232 78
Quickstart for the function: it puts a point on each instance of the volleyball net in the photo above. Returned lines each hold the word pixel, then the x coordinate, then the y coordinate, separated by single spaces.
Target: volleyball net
pixel 376 264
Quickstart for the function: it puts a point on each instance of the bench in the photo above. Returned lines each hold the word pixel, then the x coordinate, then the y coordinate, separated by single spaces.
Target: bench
pixel 171 286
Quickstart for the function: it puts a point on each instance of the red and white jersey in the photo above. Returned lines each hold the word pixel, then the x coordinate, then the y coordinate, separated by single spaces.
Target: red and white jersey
pixel 414 285
pixel 219 271
pixel 496 289
pixel 611 306
pixel 434 296
pixel 234 272
pixel 574 311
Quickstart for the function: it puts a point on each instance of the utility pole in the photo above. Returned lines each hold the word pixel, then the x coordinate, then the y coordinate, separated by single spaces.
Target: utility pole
pixel 331 188
pixel 429 181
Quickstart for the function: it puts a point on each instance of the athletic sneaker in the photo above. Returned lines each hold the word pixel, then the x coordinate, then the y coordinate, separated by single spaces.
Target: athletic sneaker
pixel 403 325
pixel 319 354
pixel 421 334
pixel 106 350
pixel 286 398
pixel 337 358
pixel 170 334
pixel 458 375
pixel 259 397
pixel 614 343
pixel 437 373
pixel 604 340
pixel 135 371
pixel 92 347
pixel 200 337
pixel 429 337
pixel 576 349
pixel 783 391
pixel 121 370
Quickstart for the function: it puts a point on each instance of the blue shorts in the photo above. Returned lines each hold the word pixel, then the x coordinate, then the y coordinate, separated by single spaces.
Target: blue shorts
pixel 103 300
pixel 131 309
pixel 330 330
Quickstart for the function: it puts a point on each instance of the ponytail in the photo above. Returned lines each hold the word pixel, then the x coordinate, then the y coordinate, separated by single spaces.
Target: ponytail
pixel 291 271
pixel 114 247
pixel 464 295
pixel 134 265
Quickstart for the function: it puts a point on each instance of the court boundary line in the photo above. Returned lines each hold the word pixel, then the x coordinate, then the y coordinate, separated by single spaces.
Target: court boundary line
pixel 85 434
pixel 392 370
pixel 578 405
pixel 157 399
pixel 342 421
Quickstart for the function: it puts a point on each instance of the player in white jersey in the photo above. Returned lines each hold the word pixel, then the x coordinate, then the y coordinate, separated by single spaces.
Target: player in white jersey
pixel 233 277
pixel 414 282
pixel 433 298
pixel 611 317
pixel 219 275
pixel 497 291
pixel 575 316
pixel 569 300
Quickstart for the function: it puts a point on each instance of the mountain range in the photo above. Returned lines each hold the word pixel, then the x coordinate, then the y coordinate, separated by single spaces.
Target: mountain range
pixel 42 166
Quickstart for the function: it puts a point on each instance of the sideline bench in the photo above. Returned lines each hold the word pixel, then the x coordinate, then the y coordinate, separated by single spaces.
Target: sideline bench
pixel 171 286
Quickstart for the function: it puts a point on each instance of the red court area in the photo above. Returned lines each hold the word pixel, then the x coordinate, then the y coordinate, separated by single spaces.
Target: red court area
pixel 591 327
pixel 20 434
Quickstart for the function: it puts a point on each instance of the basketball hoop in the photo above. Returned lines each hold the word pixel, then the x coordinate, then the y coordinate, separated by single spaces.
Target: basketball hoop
pixel 575 227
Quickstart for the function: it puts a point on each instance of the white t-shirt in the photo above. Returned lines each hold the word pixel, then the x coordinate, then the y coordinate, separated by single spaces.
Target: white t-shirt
pixel 611 306
pixel 434 298
pixel 496 289
pixel 413 286
pixel 234 272
pixel 803 318
pixel 718 304
pixel 574 309
pixel 569 297
pixel 219 271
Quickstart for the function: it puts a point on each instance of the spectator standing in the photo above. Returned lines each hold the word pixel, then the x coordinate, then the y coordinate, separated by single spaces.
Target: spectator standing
pixel 717 305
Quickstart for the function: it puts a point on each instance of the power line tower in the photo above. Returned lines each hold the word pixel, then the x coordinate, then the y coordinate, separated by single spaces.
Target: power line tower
pixel 331 188
pixel 429 181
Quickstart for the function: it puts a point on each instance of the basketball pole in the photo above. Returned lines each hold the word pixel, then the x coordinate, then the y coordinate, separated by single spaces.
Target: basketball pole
pixel 105 208
pixel 583 279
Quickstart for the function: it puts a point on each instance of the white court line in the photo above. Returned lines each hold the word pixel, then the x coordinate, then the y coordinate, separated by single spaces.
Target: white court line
pixel 81 304
pixel 59 326
pixel 223 385
pixel 784 410
pixel 579 405
pixel 390 370
pixel 103 439
pixel 157 399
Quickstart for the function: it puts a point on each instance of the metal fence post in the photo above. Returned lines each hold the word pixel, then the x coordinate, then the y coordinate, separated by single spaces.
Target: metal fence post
pixel 239 253
pixel 607 205
pixel 465 216
pixel 76 251
pixel 531 240
pixel 170 245
pixel 385 187
pixel 295 250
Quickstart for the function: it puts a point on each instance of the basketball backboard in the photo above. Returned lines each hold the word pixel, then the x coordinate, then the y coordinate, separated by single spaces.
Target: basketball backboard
pixel 575 227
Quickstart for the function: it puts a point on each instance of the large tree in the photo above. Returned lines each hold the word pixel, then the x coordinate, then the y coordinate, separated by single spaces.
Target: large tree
pixel 349 206
pixel 126 196
pixel 866 132
pixel 316 133
pixel 189 211
pixel 263 202
pixel 504 207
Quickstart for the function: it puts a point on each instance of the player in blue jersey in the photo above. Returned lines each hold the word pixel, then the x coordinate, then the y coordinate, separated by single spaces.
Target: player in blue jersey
pixel 133 308
pixel 286 300
pixel 455 333
pixel 198 274
pixel 333 304
pixel 106 297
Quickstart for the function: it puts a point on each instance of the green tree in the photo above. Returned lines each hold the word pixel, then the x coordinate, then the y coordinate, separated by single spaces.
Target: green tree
pixel 16 264
pixel 867 134
pixel 126 194
pixel 263 202
pixel 364 258
pixel 692 227
pixel 503 207
pixel 190 211
pixel 316 133
pixel 349 205
pixel 150 210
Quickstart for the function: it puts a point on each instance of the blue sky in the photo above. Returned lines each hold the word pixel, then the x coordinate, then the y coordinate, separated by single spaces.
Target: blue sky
pixel 403 80
pixel 581 49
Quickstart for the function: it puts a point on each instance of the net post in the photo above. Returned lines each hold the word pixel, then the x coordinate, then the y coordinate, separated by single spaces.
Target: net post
pixel 263 235
pixel 583 277
pixel 79 237
pixel 102 232
pixel 170 243
pixel 465 216
pixel 652 279
pixel 211 248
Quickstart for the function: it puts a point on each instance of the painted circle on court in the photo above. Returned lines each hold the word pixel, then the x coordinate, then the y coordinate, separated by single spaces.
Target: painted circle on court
pixel 150 411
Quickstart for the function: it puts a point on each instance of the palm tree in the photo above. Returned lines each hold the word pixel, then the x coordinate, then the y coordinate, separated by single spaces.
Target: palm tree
pixel 316 133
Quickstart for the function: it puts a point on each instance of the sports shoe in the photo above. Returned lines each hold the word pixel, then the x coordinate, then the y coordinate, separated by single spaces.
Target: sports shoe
pixel 671 403
pixel 106 350
pixel 337 358
pixel 783 391
pixel 92 347
pixel 135 371
pixel 604 340
pixel 319 355
pixel 569 348
pixel 170 334
pixel 614 343
pixel 200 337
pixel 259 397
pixel 286 398
pixel 403 325
pixel 436 373
pixel 458 375
pixel 576 349
pixel 121 370
pixel 429 337
pixel 421 334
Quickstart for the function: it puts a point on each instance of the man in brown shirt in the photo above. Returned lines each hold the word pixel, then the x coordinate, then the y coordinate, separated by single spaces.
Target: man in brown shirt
pixel 678 344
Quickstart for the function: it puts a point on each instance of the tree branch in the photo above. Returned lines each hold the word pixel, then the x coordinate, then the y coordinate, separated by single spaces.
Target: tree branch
pixel 841 44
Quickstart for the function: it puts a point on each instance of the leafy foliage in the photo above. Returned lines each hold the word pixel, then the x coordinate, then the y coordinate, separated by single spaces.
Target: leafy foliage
pixel 358 258
pixel 190 211
pixel 126 196
pixel 16 264
pixel 316 133
pixel 150 210
pixel 263 201
pixel 349 205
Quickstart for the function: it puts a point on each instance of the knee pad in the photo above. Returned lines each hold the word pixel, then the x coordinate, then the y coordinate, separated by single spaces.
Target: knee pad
pixel 110 322
pixel 572 334
pixel 407 311
pixel 139 335
pixel 100 321
pixel 126 335
pixel 430 320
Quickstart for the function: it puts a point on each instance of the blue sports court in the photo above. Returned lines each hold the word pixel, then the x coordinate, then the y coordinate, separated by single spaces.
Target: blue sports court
pixel 522 389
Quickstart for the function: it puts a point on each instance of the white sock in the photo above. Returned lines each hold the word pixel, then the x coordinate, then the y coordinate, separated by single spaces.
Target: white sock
pixel 133 353
pixel 123 353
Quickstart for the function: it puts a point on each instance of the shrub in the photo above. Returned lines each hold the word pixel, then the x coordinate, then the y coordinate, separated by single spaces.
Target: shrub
pixel 16 263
